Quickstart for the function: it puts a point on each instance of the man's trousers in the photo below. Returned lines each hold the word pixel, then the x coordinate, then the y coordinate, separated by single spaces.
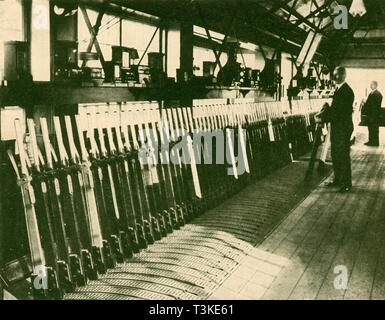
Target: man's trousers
pixel 340 151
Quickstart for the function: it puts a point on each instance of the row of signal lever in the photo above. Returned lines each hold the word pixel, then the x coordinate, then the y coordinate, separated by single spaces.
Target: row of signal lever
pixel 100 189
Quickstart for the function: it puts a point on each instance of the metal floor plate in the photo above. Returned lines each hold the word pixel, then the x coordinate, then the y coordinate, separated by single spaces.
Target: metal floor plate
pixel 192 262
pixel 188 264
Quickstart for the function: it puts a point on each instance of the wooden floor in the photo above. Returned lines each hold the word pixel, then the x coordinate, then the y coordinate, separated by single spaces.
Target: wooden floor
pixel 332 246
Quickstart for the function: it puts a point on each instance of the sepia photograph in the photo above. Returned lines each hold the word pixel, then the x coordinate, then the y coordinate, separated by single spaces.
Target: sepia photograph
pixel 209 151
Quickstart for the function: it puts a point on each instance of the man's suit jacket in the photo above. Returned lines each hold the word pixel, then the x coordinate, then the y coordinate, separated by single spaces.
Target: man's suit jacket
pixel 339 114
pixel 372 106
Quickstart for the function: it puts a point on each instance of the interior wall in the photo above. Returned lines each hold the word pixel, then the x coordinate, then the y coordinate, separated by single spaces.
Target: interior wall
pixel 359 79
pixel 205 54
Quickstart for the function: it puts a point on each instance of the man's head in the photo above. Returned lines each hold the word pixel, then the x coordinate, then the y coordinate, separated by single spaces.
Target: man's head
pixel 339 75
pixel 373 85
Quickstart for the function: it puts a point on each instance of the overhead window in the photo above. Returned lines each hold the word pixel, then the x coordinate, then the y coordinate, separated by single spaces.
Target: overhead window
pixel 138 35
pixel 134 35
pixel 249 54
pixel 108 34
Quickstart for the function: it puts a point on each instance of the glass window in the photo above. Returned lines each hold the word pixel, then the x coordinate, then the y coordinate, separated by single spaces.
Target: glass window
pixel 137 35
pixel 11 26
pixel 108 34
pixel 134 35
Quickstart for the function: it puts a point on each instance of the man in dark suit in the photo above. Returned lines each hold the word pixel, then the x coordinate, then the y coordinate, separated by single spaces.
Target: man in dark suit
pixel 339 114
pixel 372 109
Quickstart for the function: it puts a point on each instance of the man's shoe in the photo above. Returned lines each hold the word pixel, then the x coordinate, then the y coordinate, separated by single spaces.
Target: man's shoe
pixel 368 144
pixel 345 190
pixel 332 184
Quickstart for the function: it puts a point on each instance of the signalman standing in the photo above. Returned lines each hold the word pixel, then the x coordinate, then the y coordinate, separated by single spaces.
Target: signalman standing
pixel 339 114
pixel 372 109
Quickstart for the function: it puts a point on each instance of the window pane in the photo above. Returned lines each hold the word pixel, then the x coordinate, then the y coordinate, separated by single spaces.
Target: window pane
pixel 11 26
pixel 137 35
pixel 108 34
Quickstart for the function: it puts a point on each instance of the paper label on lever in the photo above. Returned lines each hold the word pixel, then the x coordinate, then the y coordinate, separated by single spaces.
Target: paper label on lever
pixel 194 170
pixel 100 173
pixel 70 186
pixel 154 174
pixel 90 180
pixel 57 186
pixel 242 138
pixel 231 153
pixel 31 194
pixel 147 178
pixel 271 132
pixel 43 187
pixel 80 178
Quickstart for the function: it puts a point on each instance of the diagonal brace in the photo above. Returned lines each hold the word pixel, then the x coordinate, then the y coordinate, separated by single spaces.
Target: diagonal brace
pixel 93 32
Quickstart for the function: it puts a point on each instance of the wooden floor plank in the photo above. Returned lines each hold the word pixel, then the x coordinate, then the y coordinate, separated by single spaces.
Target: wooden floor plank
pixel 378 287
pixel 322 199
pixel 347 252
pixel 329 229
pixel 300 252
pixel 310 207
pixel 312 279
pixel 363 272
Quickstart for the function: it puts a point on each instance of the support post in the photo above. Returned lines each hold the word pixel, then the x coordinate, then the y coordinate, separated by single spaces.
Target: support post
pixel 186 48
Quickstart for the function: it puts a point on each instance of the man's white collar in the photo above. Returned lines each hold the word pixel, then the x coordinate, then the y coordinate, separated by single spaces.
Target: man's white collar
pixel 340 85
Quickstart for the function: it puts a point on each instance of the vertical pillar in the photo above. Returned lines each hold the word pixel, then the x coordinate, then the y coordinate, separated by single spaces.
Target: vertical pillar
pixel 27 26
pixel 64 35
pixel 161 34
pixel 162 49
pixel 186 48
pixel 121 32
pixel 64 54
pixel 166 49
pixel 173 49
pixel 2 218
pixel 279 67
pixel 40 41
